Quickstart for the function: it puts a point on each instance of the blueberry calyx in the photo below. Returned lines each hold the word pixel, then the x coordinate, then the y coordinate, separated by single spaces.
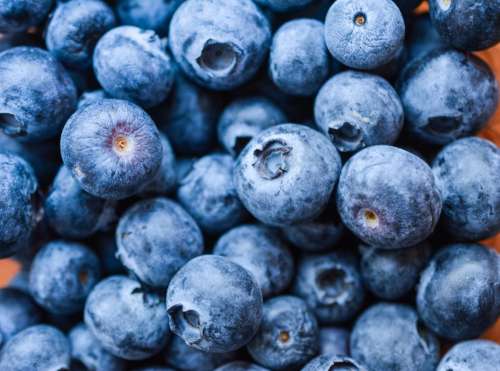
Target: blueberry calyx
pixel 333 285
pixel 346 136
pixel 12 125
pixel 444 124
pixel 343 366
pixel 271 162
pixel 219 57
pixel 186 324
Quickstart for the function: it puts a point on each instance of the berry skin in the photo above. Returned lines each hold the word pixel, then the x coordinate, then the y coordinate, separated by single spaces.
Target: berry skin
pixel 262 252
pixel 284 5
pixel 130 63
pixel 87 352
pixel 288 334
pixel 74 29
pixel 18 214
pixel 240 366
pixel 334 341
pixel 364 34
pixel 214 304
pixel 36 94
pixel 165 180
pixel 471 355
pixel 39 347
pixel 389 337
pixel 128 321
pixel 286 174
pixel 458 292
pixel 74 213
pixel 17 312
pixel 439 104
pixel 467 173
pixel 331 286
pixel 62 275
pixel 422 38
pixel 388 197
pixel 357 109
pixel 208 193
pixel 19 15
pixel 155 238
pixel 243 119
pixel 467 24
pixel 299 62
pixel 334 363
pixel 219 43
pixel 112 148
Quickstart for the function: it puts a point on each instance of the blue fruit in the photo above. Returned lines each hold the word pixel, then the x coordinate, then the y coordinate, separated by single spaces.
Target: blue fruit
pixel 214 304
pixel 62 275
pixel 89 97
pixel 74 29
pixel 357 110
pixel 286 174
pixel 17 312
pixel 127 320
pixel 467 173
pixel 467 24
pixel 245 118
pixel 284 5
pixel 220 44
pixel 112 148
pixel 18 213
pixel 299 62
pixel 74 213
pixel 364 34
pixel 439 104
pixel 334 341
pixel 36 94
pixel 209 195
pixel 86 350
pixel 388 197
pixel 471 355
pixel 458 292
pixel 155 238
pixel 130 63
pixel 334 363
pixel 165 180
pixel 331 286
pixel 147 14
pixel 105 245
pixel 262 252
pixel 38 347
pixel 390 337
pixel 19 15
pixel 288 334
pixel 422 37
pixel 391 274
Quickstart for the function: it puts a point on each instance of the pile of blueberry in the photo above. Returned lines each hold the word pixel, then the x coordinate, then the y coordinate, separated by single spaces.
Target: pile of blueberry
pixel 254 185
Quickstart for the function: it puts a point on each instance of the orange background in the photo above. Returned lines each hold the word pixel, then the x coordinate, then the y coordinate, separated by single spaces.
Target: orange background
pixel 492 132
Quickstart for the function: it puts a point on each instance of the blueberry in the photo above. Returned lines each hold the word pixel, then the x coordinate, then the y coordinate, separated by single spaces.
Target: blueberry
pixel 184 358
pixel 19 15
pixel 38 347
pixel 240 366
pixel 299 62
pixel 105 245
pixel 127 320
pixel 422 37
pixel 262 252
pixel 439 104
pixel 471 355
pixel 331 286
pixel 467 172
pixel 18 214
pixel 286 174
pixel 74 213
pixel 189 118
pixel 183 167
pixel 155 238
pixel 86 350
pixel 390 337
pixel 288 336
pixel 357 109
pixel 214 304
pixel 334 341
pixel 284 5
pixel 112 148
pixel 391 274
pixel 243 119
pixel 209 195
pixel 147 14
pixel 334 363
pixel 458 291
pixel 364 34
pixel 89 97
pixel 62 275
pixel 17 312
pixel 220 44
pixel 165 180
pixel 388 197
pixel 130 63
pixel 74 28
pixel 467 24
pixel 36 94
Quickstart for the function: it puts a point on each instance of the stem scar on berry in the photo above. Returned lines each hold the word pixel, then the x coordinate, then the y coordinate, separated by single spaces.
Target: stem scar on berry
pixel 370 218
pixel 360 19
